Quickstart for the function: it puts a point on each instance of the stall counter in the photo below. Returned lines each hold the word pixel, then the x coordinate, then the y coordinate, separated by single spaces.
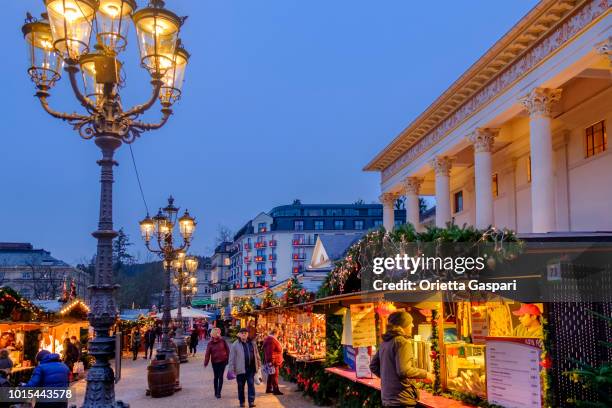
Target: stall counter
pixel 426 399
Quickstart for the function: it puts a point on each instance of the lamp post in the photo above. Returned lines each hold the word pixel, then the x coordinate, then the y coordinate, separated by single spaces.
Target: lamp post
pixel 62 38
pixel 184 268
pixel 160 228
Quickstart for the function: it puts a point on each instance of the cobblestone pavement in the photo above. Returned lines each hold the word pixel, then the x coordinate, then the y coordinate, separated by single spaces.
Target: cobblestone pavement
pixel 197 383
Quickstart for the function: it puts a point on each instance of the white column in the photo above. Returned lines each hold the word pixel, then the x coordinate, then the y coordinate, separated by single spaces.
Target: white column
pixel 539 103
pixel 412 186
pixel 388 201
pixel 483 140
pixel 442 166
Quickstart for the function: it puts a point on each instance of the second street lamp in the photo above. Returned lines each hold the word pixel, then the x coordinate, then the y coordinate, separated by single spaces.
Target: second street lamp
pixel 159 229
pixel 184 268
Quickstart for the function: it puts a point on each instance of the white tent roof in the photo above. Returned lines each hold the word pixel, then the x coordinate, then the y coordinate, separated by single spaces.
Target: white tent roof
pixel 189 312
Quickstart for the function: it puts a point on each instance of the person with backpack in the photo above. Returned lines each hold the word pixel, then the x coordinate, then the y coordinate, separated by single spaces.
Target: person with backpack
pixel 217 352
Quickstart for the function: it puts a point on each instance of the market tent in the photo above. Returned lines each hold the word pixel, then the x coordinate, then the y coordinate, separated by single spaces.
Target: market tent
pixel 191 313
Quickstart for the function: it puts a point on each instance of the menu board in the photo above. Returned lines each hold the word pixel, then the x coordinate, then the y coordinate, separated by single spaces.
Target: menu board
pixel 513 372
pixel 363 325
pixel 362 362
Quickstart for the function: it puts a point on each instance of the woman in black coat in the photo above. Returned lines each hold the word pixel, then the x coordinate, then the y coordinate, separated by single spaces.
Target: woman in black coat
pixel 193 341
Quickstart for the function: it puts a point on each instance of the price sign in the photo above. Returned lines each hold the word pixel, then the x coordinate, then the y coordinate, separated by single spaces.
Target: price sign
pixel 513 372
pixel 363 325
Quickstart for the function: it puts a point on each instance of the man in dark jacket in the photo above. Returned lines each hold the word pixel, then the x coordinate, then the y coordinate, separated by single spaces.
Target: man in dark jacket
pixel 394 364
pixel 149 342
pixel 50 373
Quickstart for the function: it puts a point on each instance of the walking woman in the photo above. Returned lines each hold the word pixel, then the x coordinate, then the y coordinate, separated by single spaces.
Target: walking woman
pixel 273 355
pixel 193 341
pixel 217 352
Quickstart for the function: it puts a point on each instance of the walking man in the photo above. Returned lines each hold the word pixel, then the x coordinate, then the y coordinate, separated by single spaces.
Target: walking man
pixel 393 363
pixel 135 342
pixel 149 342
pixel 244 362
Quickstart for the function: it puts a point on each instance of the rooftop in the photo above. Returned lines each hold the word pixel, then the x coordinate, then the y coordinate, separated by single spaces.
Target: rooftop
pixel 24 254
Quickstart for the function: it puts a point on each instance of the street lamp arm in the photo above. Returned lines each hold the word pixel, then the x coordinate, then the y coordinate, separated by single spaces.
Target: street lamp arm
pixel 139 109
pixel 166 113
pixel 70 117
pixel 85 101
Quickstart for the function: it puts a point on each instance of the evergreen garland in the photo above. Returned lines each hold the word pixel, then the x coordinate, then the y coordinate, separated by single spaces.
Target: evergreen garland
pixel 435 353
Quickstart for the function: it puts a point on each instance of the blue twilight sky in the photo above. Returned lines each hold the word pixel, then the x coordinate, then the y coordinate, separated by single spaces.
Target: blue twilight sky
pixel 283 99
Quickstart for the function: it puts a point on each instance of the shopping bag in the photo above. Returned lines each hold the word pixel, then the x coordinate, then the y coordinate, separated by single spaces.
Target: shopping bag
pixel 258 377
pixel 268 369
pixel 231 375
pixel 78 368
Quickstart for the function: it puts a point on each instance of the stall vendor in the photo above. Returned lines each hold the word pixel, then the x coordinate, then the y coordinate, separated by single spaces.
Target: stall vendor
pixel 529 318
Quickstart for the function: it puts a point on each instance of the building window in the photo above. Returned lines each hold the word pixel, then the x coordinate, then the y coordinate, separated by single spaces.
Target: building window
pixel 458 201
pixel 529 169
pixel 596 139
pixel 334 212
pixel 261 227
pixel 495 186
pixel 338 224
pixel 298 225
pixel 378 223
pixel 358 224
pixel 375 211
pixel 26 275
pixel 319 224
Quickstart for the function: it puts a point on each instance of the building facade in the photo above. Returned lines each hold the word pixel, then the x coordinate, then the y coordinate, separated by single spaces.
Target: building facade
pixel 36 275
pixel 520 139
pixel 278 245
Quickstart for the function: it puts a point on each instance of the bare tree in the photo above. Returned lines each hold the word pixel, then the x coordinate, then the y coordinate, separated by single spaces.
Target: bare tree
pixel 46 283
pixel 224 234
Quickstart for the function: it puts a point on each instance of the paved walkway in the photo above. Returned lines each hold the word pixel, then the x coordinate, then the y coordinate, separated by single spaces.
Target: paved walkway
pixel 197 383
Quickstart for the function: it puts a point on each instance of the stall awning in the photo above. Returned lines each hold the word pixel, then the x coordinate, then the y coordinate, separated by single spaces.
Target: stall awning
pixel 189 312
pixel 203 302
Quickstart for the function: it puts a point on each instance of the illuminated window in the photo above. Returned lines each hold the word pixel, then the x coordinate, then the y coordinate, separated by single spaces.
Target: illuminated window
pixel 458 201
pixel 529 169
pixel 495 185
pixel 596 139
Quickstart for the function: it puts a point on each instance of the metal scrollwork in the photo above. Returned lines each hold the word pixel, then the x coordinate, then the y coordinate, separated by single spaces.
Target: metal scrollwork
pixel 85 128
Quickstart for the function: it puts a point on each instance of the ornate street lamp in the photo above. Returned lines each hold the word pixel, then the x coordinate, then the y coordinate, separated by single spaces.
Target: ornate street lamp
pixel 184 268
pixel 159 229
pixel 88 36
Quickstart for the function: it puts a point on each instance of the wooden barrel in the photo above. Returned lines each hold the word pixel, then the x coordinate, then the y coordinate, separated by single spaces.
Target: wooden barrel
pixel 161 375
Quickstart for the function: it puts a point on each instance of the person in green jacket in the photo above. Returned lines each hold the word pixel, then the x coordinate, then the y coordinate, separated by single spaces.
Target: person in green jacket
pixel 394 364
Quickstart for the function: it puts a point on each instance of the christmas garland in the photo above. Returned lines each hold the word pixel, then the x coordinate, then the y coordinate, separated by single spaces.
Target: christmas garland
pixel 17 308
pixel 243 306
pixel 346 275
pixel 295 293
pixel 269 299
pixel 435 353
pixel 546 365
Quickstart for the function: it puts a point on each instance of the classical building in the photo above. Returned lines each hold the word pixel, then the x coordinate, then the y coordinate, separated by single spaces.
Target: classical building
pixel 36 275
pixel 520 139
